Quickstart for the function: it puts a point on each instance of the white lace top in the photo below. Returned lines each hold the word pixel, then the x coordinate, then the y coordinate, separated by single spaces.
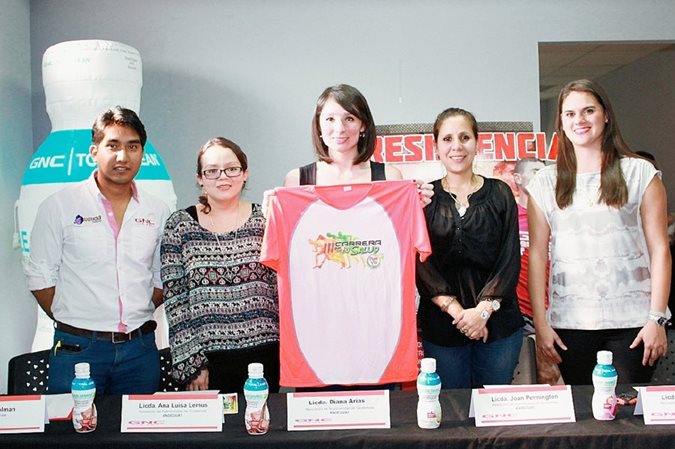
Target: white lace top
pixel 600 275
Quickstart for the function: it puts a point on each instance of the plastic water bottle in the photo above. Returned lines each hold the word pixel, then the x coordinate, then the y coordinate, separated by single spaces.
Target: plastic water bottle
pixel 604 395
pixel 428 389
pixel 84 391
pixel 256 390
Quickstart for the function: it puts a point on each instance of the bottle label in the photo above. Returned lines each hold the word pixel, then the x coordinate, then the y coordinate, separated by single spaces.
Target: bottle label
pixel 429 414
pixel 604 407
pixel 604 397
pixel 256 417
pixel 428 406
pixel 428 392
pixel 84 410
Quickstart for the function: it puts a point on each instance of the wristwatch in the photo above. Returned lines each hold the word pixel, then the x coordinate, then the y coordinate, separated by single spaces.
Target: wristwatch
pixel 658 319
pixel 493 304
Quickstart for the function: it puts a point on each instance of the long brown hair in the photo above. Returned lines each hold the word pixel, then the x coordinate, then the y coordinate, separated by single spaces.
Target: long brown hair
pixel 613 189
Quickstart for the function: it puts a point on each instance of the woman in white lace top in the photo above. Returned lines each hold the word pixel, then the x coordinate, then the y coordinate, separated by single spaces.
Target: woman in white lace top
pixel 604 210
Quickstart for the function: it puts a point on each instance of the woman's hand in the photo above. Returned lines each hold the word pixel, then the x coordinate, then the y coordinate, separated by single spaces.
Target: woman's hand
pixel 546 340
pixel 426 191
pixel 201 382
pixel 470 323
pixel 655 340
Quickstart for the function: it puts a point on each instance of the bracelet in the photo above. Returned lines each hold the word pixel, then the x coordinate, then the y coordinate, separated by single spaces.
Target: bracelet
pixel 446 304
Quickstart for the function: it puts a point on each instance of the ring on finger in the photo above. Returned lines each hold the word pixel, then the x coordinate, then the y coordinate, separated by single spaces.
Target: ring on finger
pixel 464 330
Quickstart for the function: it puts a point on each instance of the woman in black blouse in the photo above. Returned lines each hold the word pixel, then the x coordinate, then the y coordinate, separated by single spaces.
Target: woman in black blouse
pixel 468 312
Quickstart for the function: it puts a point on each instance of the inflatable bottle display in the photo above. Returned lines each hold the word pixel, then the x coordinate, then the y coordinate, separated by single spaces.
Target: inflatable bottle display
pixel 82 79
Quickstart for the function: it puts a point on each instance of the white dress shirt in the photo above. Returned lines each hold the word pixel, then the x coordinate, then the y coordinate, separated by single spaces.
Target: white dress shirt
pixel 104 279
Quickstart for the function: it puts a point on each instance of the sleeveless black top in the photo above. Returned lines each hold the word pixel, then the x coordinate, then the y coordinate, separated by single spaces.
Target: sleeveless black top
pixel 308 173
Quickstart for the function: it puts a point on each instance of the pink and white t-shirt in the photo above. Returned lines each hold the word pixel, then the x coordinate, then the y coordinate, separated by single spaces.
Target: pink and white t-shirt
pixel 345 258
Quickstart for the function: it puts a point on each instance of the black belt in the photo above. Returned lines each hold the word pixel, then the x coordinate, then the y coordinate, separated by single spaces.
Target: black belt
pixel 115 337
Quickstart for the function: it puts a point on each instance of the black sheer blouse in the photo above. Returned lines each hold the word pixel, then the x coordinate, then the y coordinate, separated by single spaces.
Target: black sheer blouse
pixel 473 257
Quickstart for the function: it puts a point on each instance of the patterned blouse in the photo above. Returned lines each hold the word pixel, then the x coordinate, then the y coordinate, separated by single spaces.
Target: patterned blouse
pixel 217 296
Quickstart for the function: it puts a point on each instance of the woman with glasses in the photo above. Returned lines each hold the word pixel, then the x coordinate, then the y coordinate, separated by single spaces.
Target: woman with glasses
pixel 221 303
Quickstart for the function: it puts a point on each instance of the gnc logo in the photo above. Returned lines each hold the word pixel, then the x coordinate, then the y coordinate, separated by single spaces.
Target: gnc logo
pixel 145 221
pixel 143 422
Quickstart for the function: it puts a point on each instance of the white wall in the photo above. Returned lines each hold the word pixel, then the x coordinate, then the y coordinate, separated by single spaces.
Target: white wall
pixel 251 70
pixel 17 312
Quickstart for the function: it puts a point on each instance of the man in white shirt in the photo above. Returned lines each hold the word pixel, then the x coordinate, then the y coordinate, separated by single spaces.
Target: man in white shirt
pixel 94 265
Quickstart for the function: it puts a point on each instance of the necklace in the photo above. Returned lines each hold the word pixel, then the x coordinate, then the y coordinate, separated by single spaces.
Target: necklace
pixel 460 206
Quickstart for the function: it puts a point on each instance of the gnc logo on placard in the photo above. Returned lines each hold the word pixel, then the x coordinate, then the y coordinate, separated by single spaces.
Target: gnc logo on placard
pixel 145 423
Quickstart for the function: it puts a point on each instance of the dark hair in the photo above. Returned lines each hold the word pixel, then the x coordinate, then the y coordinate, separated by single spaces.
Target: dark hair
pixel 613 189
pixel 225 143
pixel 646 155
pixel 451 112
pixel 117 116
pixel 520 165
pixel 355 103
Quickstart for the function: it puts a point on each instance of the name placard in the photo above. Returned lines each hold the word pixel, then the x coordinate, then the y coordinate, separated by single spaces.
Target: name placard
pixel 514 406
pixel 656 404
pixel 22 414
pixel 331 410
pixel 194 412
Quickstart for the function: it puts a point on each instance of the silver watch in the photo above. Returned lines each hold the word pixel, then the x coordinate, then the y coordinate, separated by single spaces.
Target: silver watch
pixel 494 304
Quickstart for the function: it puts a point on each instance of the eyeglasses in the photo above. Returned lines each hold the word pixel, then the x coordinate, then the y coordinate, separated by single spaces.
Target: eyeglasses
pixel 214 173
